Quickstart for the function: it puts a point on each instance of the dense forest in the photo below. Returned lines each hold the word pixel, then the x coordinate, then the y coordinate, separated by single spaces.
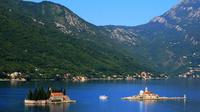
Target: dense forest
pixel 40 49
pixel 42 94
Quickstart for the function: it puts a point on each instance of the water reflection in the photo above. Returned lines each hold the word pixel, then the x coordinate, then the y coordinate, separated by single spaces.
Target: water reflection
pixel 185 102
pixel 14 83
pixel 145 104
pixel 35 108
pixel 58 107
pixel 47 108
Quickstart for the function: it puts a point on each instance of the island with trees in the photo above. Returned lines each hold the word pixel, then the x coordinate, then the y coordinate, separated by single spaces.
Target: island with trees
pixel 40 96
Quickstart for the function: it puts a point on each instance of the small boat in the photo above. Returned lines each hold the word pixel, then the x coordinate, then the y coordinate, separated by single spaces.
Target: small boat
pixel 103 97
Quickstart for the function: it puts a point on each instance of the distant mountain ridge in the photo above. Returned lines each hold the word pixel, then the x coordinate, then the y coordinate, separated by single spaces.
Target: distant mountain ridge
pixel 171 41
pixel 178 31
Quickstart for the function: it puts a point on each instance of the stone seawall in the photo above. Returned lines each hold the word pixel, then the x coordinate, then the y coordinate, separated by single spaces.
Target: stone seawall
pixel 35 102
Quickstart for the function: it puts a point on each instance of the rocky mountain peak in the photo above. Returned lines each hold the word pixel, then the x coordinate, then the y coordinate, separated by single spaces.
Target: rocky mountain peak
pixel 189 1
pixel 64 19
pixel 185 10
pixel 179 17
pixel 176 29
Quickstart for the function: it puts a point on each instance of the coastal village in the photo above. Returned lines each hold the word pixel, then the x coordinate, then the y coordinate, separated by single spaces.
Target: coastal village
pixel 192 73
pixel 18 76
pixel 15 76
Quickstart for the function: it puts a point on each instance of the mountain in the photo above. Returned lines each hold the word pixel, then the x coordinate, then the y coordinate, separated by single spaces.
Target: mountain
pixel 177 34
pixel 45 39
pixel 171 41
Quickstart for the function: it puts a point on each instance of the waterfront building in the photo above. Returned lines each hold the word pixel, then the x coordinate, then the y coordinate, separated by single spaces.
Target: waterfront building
pixel 58 97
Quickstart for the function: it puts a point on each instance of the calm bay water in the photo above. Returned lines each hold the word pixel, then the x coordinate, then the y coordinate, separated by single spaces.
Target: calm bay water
pixel 12 95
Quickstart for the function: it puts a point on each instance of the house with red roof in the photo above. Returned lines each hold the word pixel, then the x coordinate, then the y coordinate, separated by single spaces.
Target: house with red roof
pixel 58 97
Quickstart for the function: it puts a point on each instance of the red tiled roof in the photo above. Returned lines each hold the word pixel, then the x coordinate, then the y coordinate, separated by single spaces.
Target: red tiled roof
pixel 148 92
pixel 57 94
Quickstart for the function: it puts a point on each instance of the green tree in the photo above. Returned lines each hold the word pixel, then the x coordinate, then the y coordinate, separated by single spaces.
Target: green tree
pixel 35 94
pixel 30 95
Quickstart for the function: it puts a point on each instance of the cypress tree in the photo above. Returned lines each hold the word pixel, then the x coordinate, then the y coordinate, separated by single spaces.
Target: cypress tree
pixel 30 95
pixel 48 94
pixel 43 94
pixel 35 94
pixel 64 91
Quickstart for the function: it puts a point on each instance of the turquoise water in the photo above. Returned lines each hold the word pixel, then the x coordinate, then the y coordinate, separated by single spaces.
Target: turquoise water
pixel 87 94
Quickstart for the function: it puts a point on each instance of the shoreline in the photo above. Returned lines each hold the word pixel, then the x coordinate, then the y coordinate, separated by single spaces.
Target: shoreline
pixel 45 102
pixel 94 79
pixel 160 98
pixel 35 102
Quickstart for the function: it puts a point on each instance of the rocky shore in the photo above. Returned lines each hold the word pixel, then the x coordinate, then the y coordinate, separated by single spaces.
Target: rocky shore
pixel 35 102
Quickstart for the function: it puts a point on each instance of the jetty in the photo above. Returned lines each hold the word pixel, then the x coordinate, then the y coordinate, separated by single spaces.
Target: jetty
pixel 148 95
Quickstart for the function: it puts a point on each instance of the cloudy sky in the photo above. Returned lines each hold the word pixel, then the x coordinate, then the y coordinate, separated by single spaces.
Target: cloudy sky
pixel 117 12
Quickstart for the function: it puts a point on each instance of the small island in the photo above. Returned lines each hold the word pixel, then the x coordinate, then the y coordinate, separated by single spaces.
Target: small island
pixel 148 95
pixel 41 97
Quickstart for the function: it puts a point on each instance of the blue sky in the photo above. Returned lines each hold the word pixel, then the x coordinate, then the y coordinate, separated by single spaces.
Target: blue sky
pixel 117 12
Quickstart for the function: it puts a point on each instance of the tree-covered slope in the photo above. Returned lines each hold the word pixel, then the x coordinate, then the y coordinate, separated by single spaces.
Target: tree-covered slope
pixel 47 38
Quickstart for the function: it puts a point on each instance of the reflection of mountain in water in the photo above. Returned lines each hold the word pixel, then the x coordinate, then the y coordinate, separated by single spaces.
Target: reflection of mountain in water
pixel 47 108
